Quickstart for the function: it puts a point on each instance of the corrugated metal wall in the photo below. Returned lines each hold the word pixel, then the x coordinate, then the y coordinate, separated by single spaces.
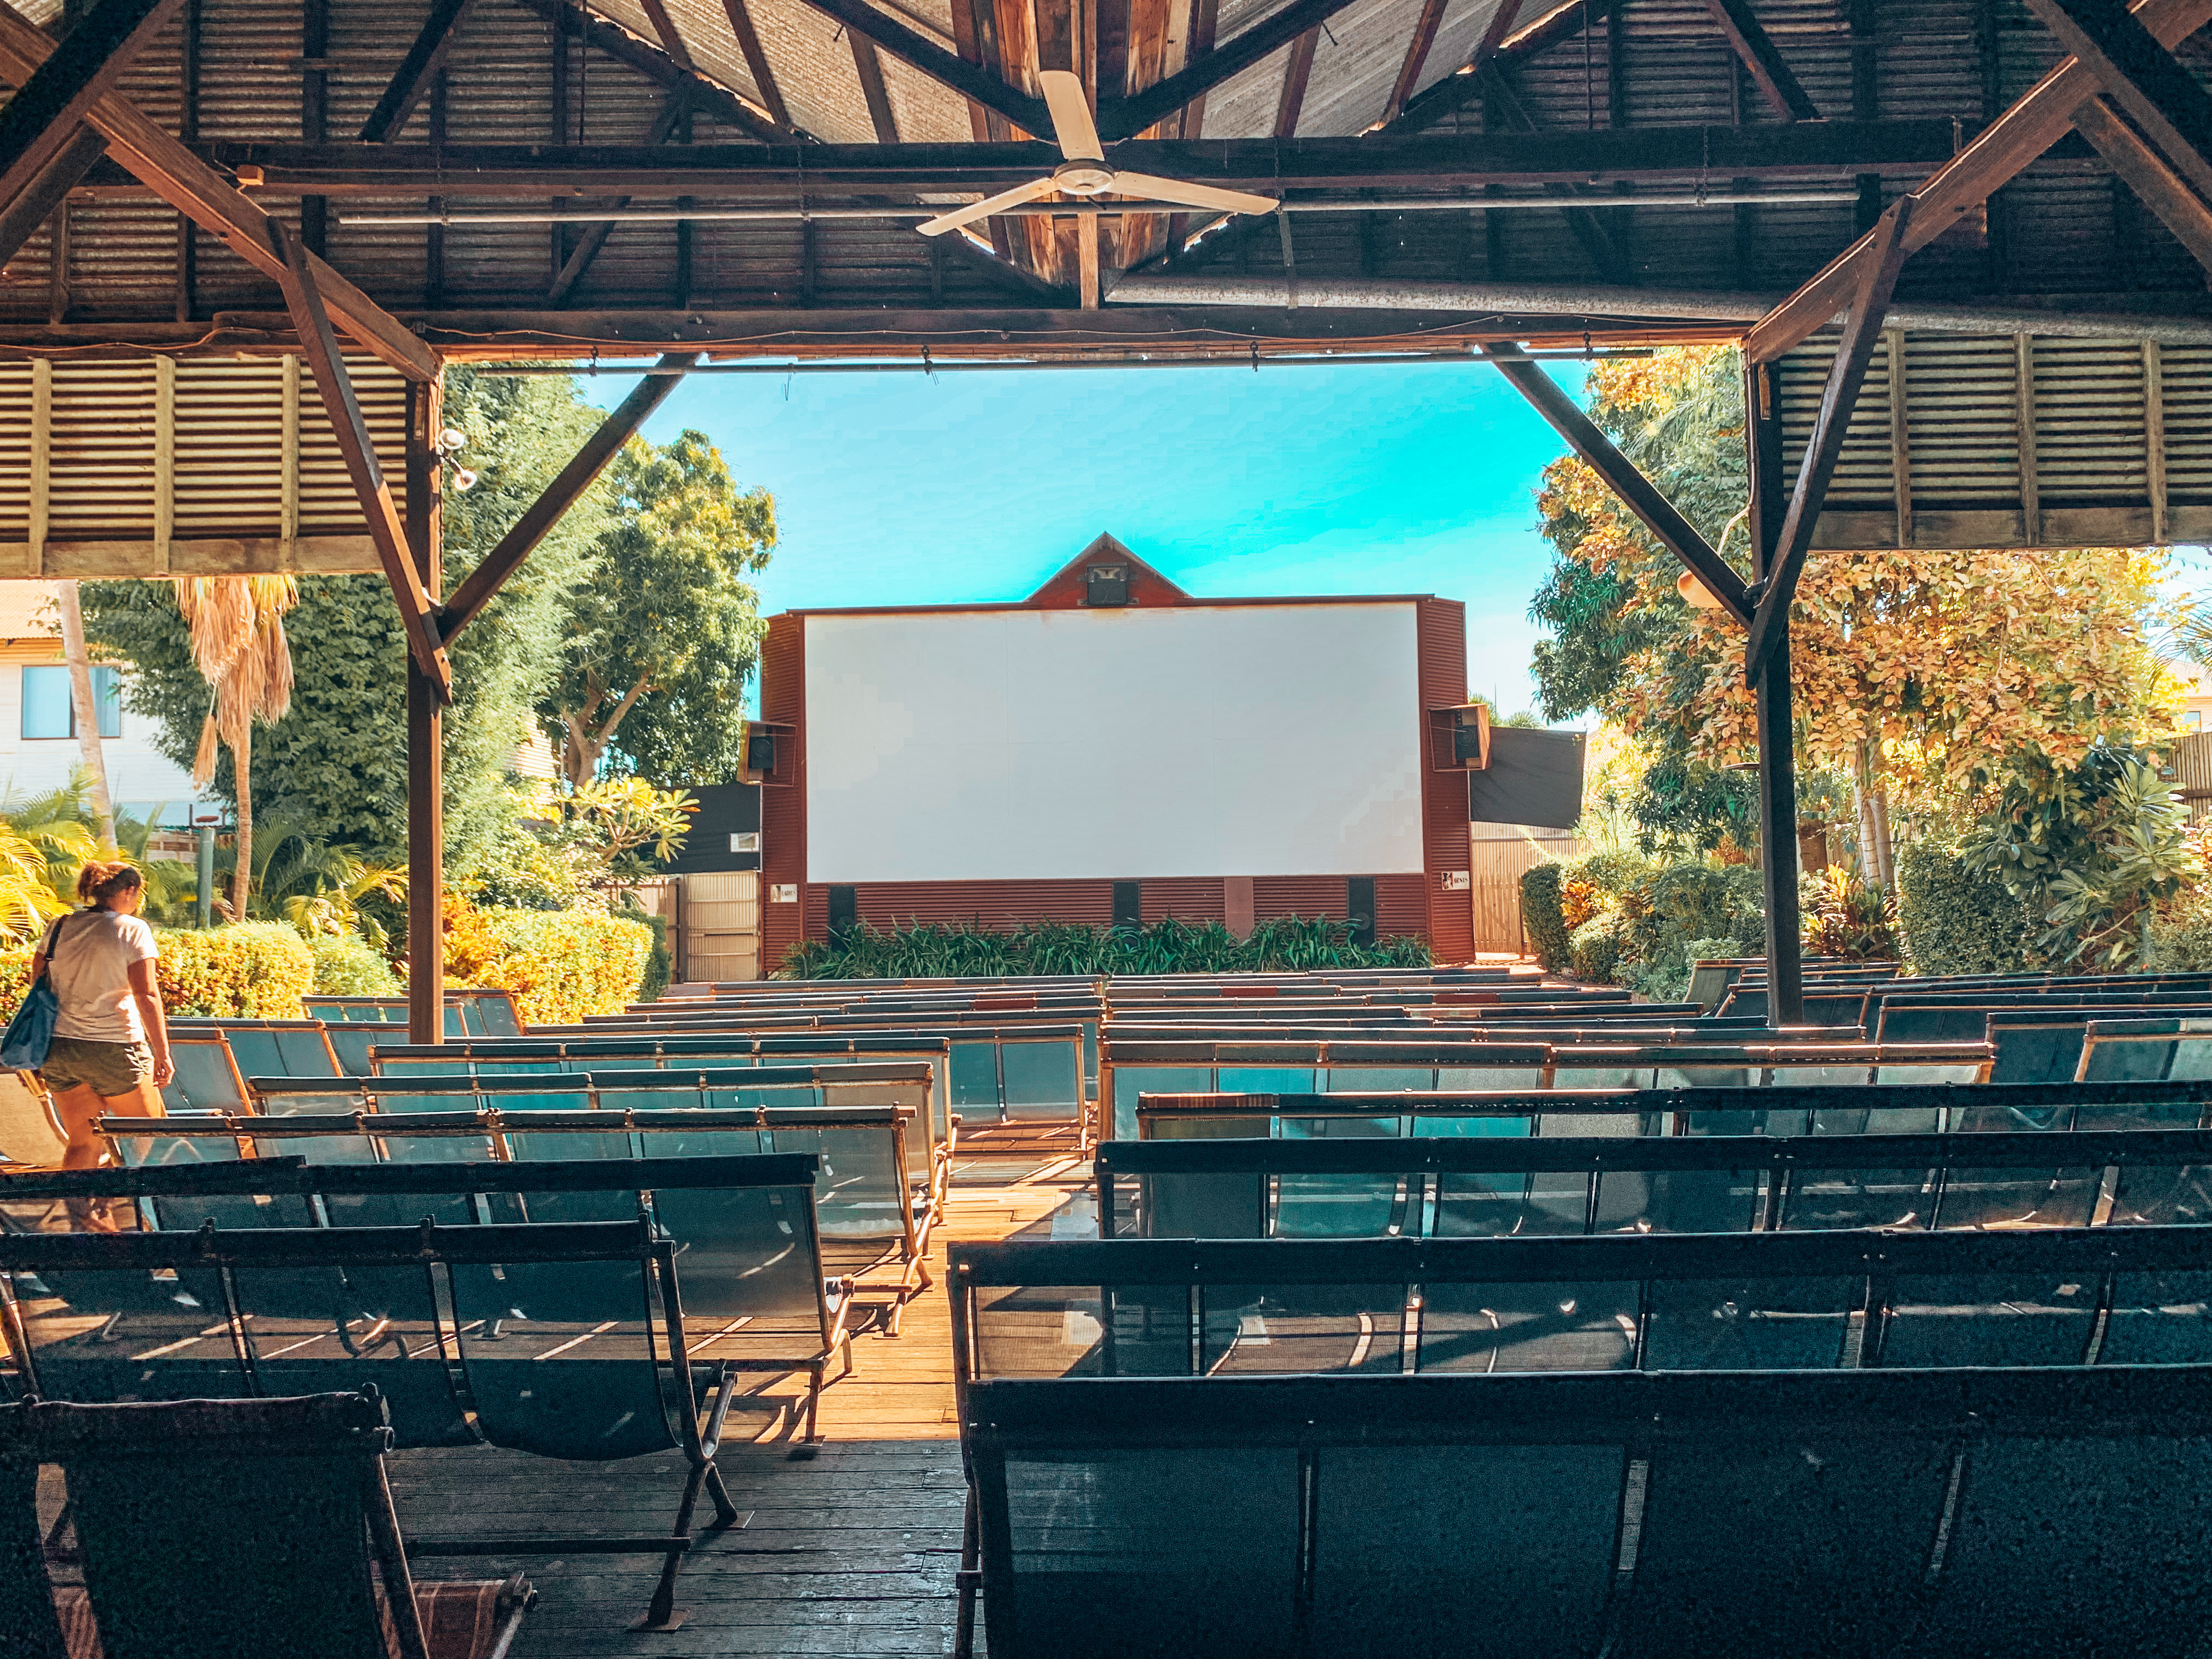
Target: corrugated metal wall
pixel 1448 920
pixel 783 809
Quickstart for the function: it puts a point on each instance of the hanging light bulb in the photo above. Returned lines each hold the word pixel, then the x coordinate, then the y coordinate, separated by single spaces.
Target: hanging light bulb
pixel 464 479
pixel 452 439
pixel 1696 592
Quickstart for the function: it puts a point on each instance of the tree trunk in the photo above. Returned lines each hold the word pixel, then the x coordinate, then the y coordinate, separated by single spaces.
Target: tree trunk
pixel 1863 797
pixel 241 880
pixel 85 706
pixel 1885 855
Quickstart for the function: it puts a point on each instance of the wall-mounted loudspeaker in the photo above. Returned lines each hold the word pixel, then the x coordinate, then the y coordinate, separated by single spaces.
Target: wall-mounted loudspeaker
pixel 844 910
pixel 1106 584
pixel 760 751
pixel 1128 904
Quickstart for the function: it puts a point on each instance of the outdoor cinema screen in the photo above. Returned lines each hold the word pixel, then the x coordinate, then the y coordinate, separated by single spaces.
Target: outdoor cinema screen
pixel 1006 745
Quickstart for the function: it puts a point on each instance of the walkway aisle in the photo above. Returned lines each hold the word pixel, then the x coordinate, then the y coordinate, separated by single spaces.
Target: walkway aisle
pixel 852 1552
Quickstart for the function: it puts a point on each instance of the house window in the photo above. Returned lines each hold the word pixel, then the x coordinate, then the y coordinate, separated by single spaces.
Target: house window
pixel 49 711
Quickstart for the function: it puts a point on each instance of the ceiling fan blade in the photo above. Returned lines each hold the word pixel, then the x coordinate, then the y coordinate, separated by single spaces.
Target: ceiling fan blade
pixel 1073 129
pixel 983 210
pixel 1175 189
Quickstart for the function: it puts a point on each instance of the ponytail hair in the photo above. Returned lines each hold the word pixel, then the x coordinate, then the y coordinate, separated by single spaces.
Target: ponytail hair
pixel 98 882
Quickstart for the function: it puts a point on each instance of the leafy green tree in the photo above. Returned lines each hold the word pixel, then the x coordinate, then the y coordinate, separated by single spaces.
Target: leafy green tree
pixel 661 642
pixel 335 765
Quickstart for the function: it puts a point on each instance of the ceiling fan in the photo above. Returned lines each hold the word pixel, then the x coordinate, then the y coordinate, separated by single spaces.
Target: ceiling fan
pixel 1085 171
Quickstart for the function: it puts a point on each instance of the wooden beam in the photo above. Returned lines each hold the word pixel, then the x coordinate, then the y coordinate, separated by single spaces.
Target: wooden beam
pixel 873 92
pixel 672 39
pixel 1900 436
pixel 2030 502
pixel 2039 118
pixel 918 52
pixel 1636 493
pixel 1416 55
pixel 426 746
pixel 484 583
pixel 652 62
pixel 1863 332
pixel 1298 70
pixel 1655 156
pixel 2140 77
pixel 757 64
pixel 595 236
pixel 2148 175
pixel 1087 232
pixel 21 218
pixel 41 123
pixel 1125 118
pixel 2155 440
pixel 318 346
pixel 195 190
pixel 1769 71
pixel 416 72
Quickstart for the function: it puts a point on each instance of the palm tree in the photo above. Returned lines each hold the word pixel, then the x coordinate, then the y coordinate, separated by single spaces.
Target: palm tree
pixel 237 625
pixel 85 706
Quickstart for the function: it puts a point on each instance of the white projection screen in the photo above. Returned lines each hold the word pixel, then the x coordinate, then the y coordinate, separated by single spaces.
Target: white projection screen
pixel 1007 745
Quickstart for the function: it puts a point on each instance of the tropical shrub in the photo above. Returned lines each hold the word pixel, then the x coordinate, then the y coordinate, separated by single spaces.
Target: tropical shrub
pixel 1849 921
pixel 1955 920
pixel 1595 948
pixel 2181 938
pixel 1277 944
pixel 1543 915
pixel 348 965
pixel 251 970
pixel 2092 849
pixel 560 964
pixel 659 964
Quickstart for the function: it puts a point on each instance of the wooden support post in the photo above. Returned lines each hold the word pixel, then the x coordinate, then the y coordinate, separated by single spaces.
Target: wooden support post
pixel 1637 492
pixel 1087 233
pixel 1777 758
pixel 319 347
pixel 1854 354
pixel 484 582
pixel 2031 503
pixel 426 699
pixel 2155 439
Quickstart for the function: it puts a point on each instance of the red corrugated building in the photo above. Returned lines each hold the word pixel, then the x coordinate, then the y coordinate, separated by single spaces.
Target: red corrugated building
pixel 935 770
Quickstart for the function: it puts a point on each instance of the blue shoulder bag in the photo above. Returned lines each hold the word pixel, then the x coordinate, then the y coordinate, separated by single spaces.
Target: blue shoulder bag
pixel 23 1046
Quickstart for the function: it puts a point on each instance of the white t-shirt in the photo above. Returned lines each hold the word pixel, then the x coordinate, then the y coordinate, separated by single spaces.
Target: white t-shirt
pixel 90 967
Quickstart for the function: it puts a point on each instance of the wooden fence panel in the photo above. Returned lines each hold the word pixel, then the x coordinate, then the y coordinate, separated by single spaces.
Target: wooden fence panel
pixel 1496 879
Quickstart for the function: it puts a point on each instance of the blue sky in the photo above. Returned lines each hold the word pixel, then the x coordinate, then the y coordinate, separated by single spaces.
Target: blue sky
pixel 901 490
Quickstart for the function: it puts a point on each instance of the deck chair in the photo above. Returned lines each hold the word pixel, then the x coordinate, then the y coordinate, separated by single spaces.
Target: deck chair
pixel 228 1530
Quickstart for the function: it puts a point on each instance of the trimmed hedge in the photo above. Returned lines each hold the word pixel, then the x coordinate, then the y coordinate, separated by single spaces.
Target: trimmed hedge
pixel 1595 950
pixel 251 969
pixel 923 950
pixel 1543 917
pixel 562 964
pixel 348 965
pixel 1957 922
pixel 256 970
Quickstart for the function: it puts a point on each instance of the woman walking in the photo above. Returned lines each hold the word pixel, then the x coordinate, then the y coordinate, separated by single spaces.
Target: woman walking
pixel 111 1049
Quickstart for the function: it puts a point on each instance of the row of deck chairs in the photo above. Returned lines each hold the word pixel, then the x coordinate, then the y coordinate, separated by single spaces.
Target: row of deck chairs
pixel 534 1306
pixel 1735 1355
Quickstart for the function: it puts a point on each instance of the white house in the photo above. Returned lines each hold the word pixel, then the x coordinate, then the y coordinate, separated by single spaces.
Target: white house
pixel 37 732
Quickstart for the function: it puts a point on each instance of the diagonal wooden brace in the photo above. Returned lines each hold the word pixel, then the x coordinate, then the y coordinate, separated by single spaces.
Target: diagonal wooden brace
pixel 2141 77
pixel 484 582
pixel 1637 492
pixel 319 345
pixel 42 119
pixel 1861 333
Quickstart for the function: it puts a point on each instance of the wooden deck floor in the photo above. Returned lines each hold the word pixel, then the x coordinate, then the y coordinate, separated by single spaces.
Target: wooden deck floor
pixel 850 1552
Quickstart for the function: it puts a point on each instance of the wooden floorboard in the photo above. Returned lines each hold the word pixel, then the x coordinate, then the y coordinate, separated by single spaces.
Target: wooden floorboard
pixel 851 1553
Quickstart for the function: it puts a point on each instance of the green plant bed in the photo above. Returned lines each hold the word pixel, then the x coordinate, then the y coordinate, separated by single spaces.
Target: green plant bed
pixel 927 950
